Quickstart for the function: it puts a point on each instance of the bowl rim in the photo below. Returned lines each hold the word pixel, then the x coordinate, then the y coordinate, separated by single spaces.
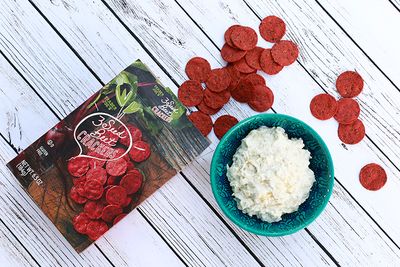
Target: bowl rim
pixel 308 220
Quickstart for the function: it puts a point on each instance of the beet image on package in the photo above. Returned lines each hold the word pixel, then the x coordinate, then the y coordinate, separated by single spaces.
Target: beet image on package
pixel 107 156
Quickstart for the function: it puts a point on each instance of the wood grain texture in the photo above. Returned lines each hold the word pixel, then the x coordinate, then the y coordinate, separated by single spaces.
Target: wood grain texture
pixel 113 27
pixel 12 253
pixel 189 214
pixel 370 246
pixel 32 52
pixel 379 20
pixel 191 229
pixel 290 99
pixel 134 229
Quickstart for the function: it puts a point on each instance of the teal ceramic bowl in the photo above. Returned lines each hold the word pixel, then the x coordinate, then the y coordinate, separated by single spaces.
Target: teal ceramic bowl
pixel 321 164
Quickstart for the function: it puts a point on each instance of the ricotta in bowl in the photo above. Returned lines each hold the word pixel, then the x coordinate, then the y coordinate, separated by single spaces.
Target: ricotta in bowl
pixel 270 174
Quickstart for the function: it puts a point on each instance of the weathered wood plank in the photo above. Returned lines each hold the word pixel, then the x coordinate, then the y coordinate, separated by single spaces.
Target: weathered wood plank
pixel 373 27
pixel 59 15
pixel 190 217
pixel 13 21
pixel 199 240
pixel 147 243
pixel 12 253
pixel 372 244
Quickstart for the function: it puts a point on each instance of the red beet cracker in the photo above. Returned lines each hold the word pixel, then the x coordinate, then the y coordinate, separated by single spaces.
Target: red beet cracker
pixel 373 177
pixel 223 124
pixel 284 52
pixel 348 111
pixel 349 84
pixel 198 69
pixel 351 133
pixel 323 106
pixel 272 29
pixel 190 93
pixel 202 122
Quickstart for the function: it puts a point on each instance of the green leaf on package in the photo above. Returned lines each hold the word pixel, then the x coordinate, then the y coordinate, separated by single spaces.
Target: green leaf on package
pixel 126 88
pixel 133 107
pixel 123 93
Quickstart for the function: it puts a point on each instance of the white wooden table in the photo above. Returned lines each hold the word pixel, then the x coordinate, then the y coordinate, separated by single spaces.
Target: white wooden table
pixel 54 54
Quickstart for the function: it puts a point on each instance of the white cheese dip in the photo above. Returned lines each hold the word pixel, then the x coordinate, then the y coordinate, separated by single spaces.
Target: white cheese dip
pixel 270 174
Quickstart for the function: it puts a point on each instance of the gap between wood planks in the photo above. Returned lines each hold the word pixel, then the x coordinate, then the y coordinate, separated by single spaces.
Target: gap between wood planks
pixel 162 237
pixel 19 242
pixel 105 256
pixel 396 5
